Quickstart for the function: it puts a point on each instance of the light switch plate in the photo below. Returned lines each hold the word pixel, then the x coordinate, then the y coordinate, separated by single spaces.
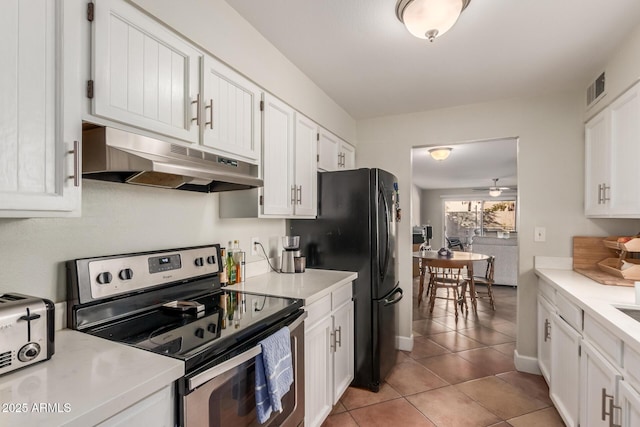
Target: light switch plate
pixel 540 234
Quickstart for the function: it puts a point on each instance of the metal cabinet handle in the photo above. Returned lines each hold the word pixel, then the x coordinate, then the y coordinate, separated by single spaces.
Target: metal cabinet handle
pixel 332 341
pixel 547 330
pixel 603 410
pixel 210 108
pixel 612 407
pixel 605 187
pixel 197 117
pixel 299 195
pixel 338 340
pixel 293 194
pixel 76 163
pixel 599 194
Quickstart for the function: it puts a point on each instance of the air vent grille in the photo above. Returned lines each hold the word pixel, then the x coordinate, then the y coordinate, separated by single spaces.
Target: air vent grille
pixel 5 359
pixel 195 153
pixel 176 149
pixel 596 90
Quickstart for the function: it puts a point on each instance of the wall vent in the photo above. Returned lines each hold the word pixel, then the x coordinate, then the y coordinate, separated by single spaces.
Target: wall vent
pixel 596 90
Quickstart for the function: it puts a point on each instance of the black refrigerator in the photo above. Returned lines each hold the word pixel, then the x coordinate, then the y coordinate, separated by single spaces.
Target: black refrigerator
pixel 355 230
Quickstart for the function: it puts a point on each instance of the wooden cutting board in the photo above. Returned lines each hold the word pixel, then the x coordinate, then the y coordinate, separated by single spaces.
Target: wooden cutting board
pixel 587 252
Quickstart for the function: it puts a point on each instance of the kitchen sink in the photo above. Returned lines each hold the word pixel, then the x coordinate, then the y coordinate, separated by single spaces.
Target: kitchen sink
pixel 634 313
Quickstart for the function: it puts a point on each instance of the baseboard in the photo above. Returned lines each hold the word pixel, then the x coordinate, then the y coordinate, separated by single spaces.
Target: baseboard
pixel 404 343
pixel 526 363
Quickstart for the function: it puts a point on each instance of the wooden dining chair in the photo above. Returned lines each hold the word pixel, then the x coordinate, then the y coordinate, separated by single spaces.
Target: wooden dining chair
pixel 448 275
pixel 486 280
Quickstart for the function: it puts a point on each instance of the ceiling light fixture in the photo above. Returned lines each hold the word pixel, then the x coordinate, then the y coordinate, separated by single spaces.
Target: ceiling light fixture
pixel 428 19
pixel 440 153
pixel 495 191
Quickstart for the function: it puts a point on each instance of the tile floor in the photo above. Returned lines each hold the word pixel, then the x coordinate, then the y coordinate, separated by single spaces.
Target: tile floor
pixel 458 374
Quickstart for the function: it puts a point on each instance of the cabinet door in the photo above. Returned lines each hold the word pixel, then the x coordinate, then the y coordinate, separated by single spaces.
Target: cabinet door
pixel 599 382
pixel 625 152
pixel 144 75
pixel 545 310
pixel 306 176
pixel 279 190
pixel 328 148
pixel 348 156
pixel 565 369
pixel 39 169
pixel 343 350
pixel 597 169
pixel 230 112
pixel 630 404
pixel 318 364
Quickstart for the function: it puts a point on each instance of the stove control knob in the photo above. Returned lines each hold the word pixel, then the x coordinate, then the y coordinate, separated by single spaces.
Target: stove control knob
pixel 211 259
pixel 126 274
pixel 212 327
pixel 104 278
pixel 200 333
pixel 199 262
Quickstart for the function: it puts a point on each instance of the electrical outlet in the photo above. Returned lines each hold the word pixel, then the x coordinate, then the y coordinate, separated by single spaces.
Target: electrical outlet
pixel 255 305
pixel 254 246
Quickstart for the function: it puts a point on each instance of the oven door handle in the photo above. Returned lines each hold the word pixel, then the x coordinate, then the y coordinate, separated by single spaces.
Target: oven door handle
pixel 236 361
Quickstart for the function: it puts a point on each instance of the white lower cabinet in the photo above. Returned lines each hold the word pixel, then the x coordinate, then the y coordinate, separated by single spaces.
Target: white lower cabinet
pixel 328 353
pixel 598 387
pixel 157 409
pixel 545 311
pixel 629 406
pixel 565 368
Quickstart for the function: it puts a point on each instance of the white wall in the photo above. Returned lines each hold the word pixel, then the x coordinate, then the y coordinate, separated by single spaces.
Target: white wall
pixel 416 214
pixel 550 178
pixel 118 218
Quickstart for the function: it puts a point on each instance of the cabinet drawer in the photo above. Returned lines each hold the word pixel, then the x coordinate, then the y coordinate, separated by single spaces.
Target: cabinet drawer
pixel 571 313
pixel 317 311
pixel 607 343
pixel 341 296
pixel 547 291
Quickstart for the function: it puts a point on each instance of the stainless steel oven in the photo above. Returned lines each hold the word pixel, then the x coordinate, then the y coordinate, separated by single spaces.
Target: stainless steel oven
pixel 170 302
pixel 224 394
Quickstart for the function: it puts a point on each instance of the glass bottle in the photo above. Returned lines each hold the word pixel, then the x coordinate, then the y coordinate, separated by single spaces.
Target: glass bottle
pixel 224 278
pixel 231 266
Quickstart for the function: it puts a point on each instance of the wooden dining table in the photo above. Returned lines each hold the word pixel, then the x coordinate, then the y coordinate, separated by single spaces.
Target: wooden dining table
pixel 457 259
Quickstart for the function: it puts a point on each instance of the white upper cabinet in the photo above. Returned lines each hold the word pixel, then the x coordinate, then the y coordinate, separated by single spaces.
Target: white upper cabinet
pixel 231 111
pixel 40 111
pixel 278 191
pixel 612 147
pixel 306 176
pixel 334 153
pixel 144 75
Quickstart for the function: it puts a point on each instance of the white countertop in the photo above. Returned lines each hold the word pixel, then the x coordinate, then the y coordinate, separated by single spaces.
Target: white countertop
pixel 598 301
pixel 88 379
pixel 309 286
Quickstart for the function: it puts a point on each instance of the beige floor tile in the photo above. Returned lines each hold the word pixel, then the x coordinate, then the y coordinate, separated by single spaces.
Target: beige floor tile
pixel 455 341
pixel 428 327
pixel 338 408
pixel 453 368
pixel 548 417
pixel 402 357
pixel 411 377
pixel 507 328
pixel 397 412
pixel 507 349
pixel 424 347
pixel 500 397
pixel 340 420
pixel 356 398
pixel 486 335
pixel 533 385
pixel 463 322
pixel 447 406
pixel 494 361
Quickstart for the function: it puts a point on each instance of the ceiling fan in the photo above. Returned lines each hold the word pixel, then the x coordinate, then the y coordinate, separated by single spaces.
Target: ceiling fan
pixel 494 191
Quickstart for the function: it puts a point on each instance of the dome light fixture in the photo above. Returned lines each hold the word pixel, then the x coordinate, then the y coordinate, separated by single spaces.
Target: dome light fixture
pixel 428 19
pixel 495 191
pixel 440 153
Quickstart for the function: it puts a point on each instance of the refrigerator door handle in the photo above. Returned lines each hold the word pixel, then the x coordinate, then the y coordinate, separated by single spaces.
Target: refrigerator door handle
pixel 385 266
pixel 389 301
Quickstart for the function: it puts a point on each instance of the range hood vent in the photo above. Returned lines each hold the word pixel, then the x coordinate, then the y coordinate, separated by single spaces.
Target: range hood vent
pixel 110 154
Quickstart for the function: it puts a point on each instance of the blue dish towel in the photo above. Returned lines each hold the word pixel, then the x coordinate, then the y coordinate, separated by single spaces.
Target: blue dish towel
pixel 274 373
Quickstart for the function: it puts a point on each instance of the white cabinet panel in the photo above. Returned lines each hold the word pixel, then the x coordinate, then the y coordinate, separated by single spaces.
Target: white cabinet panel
pixel 597 170
pixel 565 370
pixel 630 406
pixel 231 111
pixel 306 177
pixel 599 383
pixel 343 357
pixel 545 312
pixel 144 75
pixel 278 191
pixel 346 156
pixel 318 362
pixel 39 111
pixel 328 148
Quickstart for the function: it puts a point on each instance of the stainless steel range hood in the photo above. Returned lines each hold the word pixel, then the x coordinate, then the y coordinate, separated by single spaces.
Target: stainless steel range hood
pixel 110 154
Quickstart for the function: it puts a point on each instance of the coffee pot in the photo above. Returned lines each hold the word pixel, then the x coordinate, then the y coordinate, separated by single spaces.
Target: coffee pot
pixel 292 261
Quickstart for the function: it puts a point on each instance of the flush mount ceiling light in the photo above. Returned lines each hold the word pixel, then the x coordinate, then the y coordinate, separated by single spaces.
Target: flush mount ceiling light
pixel 440 153
pixel 428 19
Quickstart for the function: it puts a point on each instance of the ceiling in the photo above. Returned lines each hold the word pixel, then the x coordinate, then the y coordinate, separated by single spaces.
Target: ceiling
pixel 366 61
pixel 470 165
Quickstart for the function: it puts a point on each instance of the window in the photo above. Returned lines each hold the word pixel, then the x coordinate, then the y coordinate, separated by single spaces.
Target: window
pixel 466 218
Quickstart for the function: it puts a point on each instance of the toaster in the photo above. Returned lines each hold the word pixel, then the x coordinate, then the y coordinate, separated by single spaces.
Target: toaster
pixel 26 331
